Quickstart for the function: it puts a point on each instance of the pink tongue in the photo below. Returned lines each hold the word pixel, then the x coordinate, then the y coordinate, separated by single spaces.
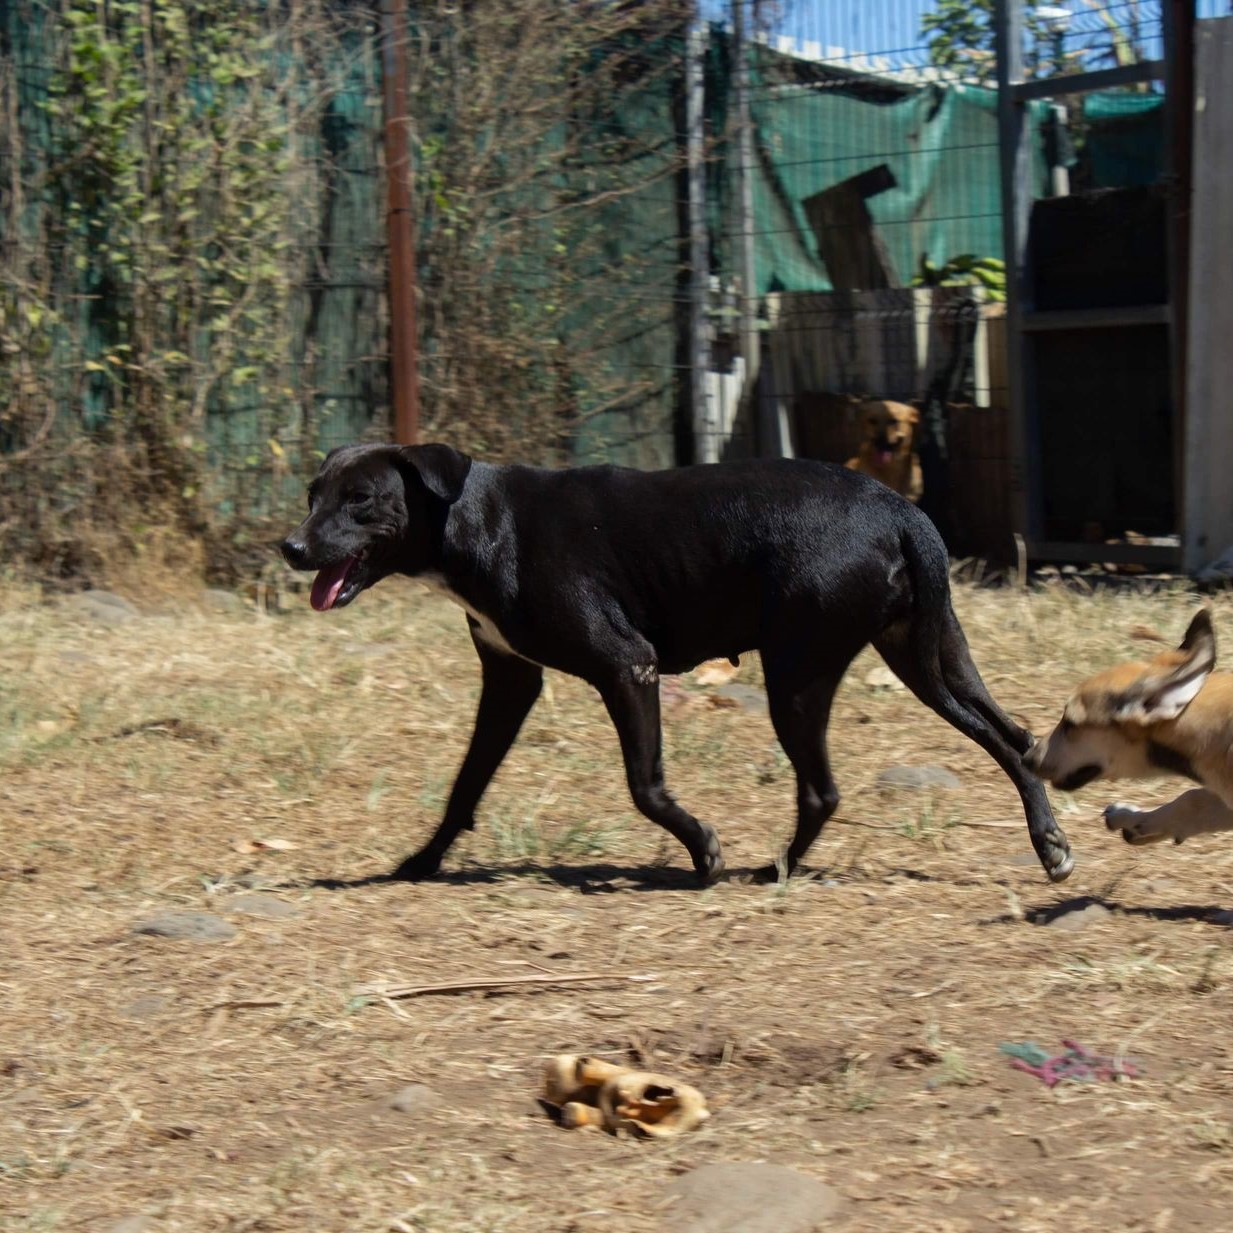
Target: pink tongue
pixel 328 583
pixel 884 456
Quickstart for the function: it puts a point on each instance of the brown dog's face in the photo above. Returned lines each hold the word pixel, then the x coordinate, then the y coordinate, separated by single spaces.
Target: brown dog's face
pixel 888 427
pixel 1107 723
pixel 370 515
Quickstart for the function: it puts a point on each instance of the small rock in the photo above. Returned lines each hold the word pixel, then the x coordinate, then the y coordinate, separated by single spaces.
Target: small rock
pixel 1073 919
pixel 215 599
pixel 745 696
pixel 145 1007
pixel 371 650
pixel 417 1098
pixel 917 777
pixel 101 607
pixel 747 1198
pixel 130 1224
pixel 1023 860
pixel 193 926
pixel 257 904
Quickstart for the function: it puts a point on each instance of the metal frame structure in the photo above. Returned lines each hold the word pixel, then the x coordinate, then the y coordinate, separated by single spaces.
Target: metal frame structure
pixel 1014 94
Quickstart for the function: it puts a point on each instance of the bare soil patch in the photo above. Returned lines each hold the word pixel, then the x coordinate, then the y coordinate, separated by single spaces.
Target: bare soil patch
pixel 845 1025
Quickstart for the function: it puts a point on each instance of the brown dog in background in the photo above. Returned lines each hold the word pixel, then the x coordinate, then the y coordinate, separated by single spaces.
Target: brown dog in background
pixel 888 446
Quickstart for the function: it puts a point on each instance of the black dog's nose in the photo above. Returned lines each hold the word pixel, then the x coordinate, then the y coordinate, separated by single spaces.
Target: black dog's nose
pixel 295 552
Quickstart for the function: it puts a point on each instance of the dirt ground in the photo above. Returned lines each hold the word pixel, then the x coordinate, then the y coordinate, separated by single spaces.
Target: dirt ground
pixel 846 1024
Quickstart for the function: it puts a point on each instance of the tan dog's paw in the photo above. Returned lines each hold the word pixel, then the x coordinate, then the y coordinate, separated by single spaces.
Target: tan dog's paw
pixel 1138 827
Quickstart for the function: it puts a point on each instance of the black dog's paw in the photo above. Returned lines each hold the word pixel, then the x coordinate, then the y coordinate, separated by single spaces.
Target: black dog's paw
pixel 417 868
pixel 770 874
pixel 1056 857
pixel 709 862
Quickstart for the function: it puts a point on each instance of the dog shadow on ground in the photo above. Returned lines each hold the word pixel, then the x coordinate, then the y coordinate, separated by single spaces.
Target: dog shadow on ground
pixel 593 879
pixel 1057 914
pixel 587 879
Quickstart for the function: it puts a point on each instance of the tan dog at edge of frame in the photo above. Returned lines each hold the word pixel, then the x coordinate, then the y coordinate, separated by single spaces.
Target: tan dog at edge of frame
pixel 1141 720
pixel 888 446
pixel 591 1092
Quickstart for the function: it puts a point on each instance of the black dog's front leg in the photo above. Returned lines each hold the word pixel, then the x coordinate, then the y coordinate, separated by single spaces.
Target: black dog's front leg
pixel 633 703
pixel 510 688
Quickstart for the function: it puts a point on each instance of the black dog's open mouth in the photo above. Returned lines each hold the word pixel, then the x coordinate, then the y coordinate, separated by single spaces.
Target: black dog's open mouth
pixel 1078 779
pixel 337 585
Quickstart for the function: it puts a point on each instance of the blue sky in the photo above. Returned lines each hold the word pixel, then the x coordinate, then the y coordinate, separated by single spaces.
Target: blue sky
pixel 891 28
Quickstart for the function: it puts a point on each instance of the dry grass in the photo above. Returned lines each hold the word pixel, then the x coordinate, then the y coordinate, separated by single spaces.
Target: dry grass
pixel 846 1024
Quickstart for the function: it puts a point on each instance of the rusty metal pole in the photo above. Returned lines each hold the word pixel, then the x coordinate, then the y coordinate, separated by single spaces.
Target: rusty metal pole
pixel 400 229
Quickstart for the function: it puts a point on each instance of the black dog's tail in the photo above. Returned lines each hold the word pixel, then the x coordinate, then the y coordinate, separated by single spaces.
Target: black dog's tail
pixel 931 654
pixel 928 569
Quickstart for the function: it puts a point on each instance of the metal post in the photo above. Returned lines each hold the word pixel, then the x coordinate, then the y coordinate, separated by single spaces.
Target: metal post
pixel 706 444
pixel 1178 30
pixel 404 376
pixel 743 237
pixel 1014 149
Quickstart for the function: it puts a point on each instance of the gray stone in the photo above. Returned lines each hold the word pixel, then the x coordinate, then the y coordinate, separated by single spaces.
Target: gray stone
pixel 193 926
pixel 257 904
pixel 130 1224
pixel 145 1007
pixel 745 696
pixel 101 607
pixel 1023 860
pixel 917 777
pixel 417 1098
pixel 218 600
pixel 747 1198
pixel 1074 919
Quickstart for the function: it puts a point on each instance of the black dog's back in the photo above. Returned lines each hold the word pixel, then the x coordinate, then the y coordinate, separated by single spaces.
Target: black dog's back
pixel 703 562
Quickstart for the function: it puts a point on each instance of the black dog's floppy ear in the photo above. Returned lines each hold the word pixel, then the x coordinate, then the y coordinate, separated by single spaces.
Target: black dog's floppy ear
pixel 441 470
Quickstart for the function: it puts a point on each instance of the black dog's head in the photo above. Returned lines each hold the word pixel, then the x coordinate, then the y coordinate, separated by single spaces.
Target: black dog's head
pixel 374 510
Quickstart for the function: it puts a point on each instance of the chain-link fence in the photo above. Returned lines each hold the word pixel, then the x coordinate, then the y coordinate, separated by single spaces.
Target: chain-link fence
pixel 648 233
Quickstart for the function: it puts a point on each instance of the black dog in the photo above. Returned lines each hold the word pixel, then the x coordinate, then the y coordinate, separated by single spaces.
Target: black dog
pixel 616 575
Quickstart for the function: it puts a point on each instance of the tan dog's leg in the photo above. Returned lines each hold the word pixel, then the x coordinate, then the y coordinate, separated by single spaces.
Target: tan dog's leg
pixel 1197 812
pixel 575 1114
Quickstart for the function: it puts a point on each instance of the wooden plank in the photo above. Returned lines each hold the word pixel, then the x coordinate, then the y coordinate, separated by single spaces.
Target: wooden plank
pixel 1208 493
pixel 855 255
pixel 1097 318
pixel 1162 556
pixel 1081 83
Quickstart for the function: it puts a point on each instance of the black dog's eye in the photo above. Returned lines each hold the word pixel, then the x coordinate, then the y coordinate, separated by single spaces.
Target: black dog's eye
pixel 358 498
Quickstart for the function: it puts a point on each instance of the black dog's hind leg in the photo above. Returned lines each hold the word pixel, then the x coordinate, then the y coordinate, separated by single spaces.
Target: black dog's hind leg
pixel 932 678
pixel 800 714
pixel 633 702
pixel 510 688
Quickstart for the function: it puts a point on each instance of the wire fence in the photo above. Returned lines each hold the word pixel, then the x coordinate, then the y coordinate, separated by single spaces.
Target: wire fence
pixel 612 263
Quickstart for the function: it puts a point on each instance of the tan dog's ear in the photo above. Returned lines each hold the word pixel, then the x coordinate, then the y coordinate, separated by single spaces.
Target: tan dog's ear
pixel 1165 692
pixel 913 416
